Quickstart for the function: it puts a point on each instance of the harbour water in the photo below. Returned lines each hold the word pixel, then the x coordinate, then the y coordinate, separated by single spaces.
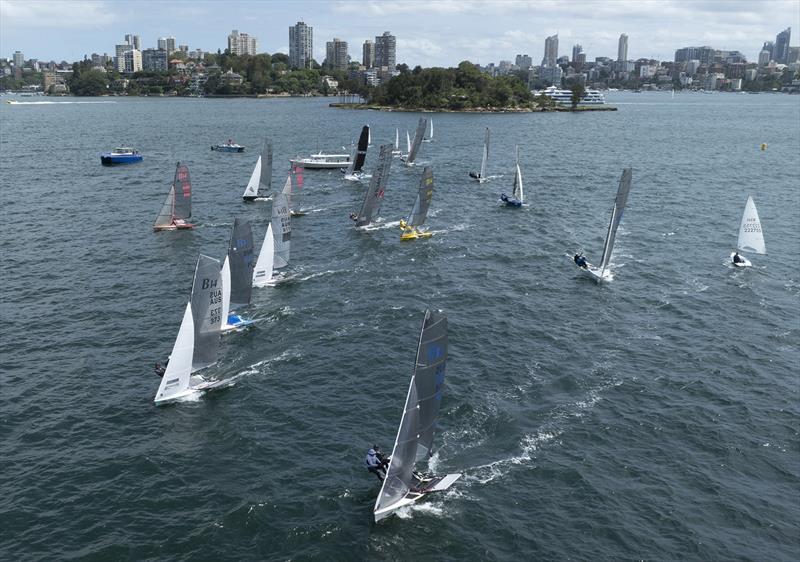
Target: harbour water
pixel 654 417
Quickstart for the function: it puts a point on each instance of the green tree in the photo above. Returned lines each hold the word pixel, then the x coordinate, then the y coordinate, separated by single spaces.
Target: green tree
pixel 577 93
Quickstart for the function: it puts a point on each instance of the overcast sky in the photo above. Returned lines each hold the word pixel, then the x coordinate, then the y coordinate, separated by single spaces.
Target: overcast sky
pixel 429 32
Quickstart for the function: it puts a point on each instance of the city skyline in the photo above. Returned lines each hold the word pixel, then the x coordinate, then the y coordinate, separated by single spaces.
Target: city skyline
pixel 478 31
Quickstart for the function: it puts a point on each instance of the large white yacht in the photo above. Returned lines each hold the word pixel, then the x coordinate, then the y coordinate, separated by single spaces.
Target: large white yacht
pixel 564 97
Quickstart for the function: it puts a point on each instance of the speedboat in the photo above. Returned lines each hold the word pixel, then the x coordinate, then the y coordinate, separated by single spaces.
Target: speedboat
pixel 229 146
pixel 121 155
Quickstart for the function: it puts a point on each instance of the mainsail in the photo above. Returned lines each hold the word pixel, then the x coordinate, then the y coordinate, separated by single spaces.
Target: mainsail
pixel 261 179
pixel 183 193
pixel 206 311
pixel 240 256
pixel 164 218
pixel 377 186
pixel 616 216
pixel 179 369
pixel 751 238
pixel 357 162
pixel 518 195
pixel 417 427
pixel 263 270
pixel 418 136
pixel 423 201
pixel 281 229
pixel 485 158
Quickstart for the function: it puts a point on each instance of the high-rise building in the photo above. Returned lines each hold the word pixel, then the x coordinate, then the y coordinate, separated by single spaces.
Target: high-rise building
pixel 703 54
pixel 119 56
pixel 19 59
pixel 155 60
pixel 622 48
pixel 550 51
pixel 576 50
pixel 780 53
pixel 241 43
pixel 162 43
pixel 301 45
pixel 368 54
pixel 170 45
pixel 134 41
pixel 764 57
pixel 133 61
pixel 336 54
pixel 523 62
pixel 386 50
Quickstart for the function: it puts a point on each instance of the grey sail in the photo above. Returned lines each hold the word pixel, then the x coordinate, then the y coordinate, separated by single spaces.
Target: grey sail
pixel 616 216
pixel 206 311
pixel 183 193
pixel 164 217
pixel 376 188
pixel 357 163
pixel 423 201
pixel 418 136
pixel 265 178
pixel 281 230
pixel 418 424
pixel 241 262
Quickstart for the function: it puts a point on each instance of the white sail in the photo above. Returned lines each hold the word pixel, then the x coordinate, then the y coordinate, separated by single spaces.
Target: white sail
pixel 408 143
pixel 369 135
pixel 281 230
pixel 751 238
pixel 518 195
pixel 251 191
pixel 397 138
pixel 175 381
pixel 616 216
pixel 431 128
pixel 166 214
pixel 485 158
pixel 225 277
pixel 263 270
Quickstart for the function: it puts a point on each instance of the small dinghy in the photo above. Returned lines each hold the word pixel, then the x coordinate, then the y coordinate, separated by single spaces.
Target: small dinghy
pixel 517 197
pixel 373 196
pixel 237 276
pixel 275 248
pixel 260 184
pixel 411 226
pixel 396 152
pixel 122 155
pixel 480 177
pixel 408 160
pixel 602 272
pixel 403 485
pixel 288 188
pixel 177 209
pixel 751 237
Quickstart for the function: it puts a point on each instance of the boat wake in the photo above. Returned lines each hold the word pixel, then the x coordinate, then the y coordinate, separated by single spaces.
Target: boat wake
pixel 380 226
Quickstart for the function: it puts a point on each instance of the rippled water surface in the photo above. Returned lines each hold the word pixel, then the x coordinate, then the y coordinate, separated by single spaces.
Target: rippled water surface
pixel 655 417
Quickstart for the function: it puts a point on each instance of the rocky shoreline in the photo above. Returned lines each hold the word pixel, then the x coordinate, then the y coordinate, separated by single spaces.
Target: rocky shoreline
pixel 473 109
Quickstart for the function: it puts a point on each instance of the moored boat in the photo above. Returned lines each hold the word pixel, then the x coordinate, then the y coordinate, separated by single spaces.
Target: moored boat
pixel 322 161
pixel 120 155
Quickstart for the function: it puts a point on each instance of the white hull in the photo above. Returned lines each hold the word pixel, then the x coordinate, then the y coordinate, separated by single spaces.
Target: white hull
pixel 595 274
pixel 430 485
pixel 745 263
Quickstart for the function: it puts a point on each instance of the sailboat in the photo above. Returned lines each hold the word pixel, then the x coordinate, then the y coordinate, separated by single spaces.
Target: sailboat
pixel 197 343
pixel 177 208
pixel 410 227
pixel 369 136
pixel 516 198
pixel 751 237
pixel 403 485
pixel 265 265
pixel 481 176
pixel 430 138
pixel 288 188
pixel 373 197
pixel 258 188
pixel 237 276
pixel 397 151
pixel 414 148
pixel 602 272
pixel 353 171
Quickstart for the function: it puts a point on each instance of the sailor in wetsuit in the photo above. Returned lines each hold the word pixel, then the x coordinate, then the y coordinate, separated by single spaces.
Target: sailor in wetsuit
pixel 376 464
pixel 737 258
pixel 160 370
pixel 475 175
pixel 504 198
pixel 580 261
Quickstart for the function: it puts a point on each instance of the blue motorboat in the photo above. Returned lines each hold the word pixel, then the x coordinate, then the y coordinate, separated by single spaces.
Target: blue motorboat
pixel 122 155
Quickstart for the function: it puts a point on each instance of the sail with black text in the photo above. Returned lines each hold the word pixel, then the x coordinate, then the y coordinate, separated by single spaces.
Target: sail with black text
pixel 177 208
